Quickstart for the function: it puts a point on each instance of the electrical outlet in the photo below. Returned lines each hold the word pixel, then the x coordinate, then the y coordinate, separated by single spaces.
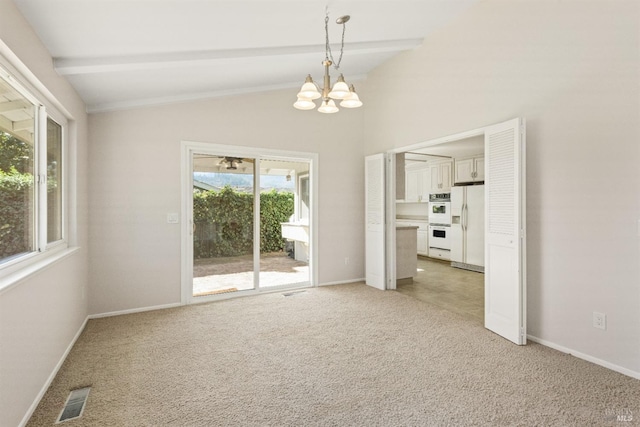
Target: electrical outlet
pixel 599 320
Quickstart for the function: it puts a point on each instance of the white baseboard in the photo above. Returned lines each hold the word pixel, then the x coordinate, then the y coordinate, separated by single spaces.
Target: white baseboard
pixel 588 358
pixel 52 376
pixel 135 310
pixel 343 282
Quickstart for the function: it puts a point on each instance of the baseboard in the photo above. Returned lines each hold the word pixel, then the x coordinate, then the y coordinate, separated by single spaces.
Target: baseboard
pixel 135 310
pixel 342 282
pixel 46 385
pixel 588 358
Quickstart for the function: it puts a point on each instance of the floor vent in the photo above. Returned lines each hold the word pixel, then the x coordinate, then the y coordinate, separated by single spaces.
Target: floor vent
pixel 288 294
pixel 75 404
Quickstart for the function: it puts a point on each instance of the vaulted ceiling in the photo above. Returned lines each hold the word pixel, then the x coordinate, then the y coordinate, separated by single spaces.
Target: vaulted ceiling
pixel 119 54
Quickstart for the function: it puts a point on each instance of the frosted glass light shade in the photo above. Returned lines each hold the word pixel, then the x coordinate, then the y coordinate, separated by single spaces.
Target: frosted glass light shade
pixel 351 101
pixel 328 107
pixel 304 104
pixel 340 89
pixel 309 89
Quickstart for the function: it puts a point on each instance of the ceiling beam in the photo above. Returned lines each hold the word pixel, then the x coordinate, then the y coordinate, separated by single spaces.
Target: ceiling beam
pixel 187 97
pixel 23 125
pixel 74 66
pixel 5 107
pixel 7 125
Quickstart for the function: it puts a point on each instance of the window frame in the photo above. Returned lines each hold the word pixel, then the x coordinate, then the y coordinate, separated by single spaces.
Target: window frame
pixel 62 122
pixel 16 268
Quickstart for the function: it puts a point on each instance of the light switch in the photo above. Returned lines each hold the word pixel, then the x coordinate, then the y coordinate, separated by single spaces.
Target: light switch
pixel 173 218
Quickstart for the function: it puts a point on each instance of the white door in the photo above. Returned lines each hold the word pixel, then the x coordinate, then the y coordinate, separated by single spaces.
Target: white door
pixel 374 170
pixel 505 275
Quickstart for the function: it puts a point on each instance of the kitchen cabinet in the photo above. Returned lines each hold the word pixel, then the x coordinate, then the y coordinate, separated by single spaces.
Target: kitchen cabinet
pixel 422 244
pixel 440 177
pixel 417 183
pixel 406 258
pixel 469 170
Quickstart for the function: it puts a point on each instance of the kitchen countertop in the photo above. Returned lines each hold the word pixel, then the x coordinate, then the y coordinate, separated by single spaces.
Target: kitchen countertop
pixel 412 218
pixel 406 227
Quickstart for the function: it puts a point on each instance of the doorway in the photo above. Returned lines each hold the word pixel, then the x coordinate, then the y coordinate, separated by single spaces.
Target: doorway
pixel 450 236
pixel 250 221
pixel 504 223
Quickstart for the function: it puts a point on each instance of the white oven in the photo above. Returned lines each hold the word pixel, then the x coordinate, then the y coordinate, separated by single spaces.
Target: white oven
pixel 440 236
pixel 440 208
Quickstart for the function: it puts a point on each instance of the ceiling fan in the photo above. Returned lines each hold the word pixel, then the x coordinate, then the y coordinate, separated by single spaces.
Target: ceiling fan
pixel 231 163
pixel 224 162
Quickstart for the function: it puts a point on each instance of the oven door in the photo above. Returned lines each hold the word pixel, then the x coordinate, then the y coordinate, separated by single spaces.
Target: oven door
pixel 439 237
pixel 440 213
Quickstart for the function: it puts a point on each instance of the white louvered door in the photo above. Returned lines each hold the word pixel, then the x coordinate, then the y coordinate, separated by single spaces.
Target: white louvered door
pixel 505 275
pixel 374 220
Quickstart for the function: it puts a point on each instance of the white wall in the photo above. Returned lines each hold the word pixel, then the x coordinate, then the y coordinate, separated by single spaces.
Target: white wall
pixel 135 175
pixel 572 70
pixel 40 316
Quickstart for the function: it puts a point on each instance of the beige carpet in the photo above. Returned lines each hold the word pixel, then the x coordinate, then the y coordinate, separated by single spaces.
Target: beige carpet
pixel 344 355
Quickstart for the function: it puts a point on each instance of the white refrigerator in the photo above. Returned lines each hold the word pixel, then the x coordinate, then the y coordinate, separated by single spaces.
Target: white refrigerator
pixel 467 227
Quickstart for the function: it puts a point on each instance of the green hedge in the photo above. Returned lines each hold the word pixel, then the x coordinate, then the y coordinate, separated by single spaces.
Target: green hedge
pixel 224 222
pixel 15 190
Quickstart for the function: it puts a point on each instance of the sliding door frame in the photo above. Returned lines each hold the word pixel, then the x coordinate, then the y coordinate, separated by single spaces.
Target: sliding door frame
pixel 187 150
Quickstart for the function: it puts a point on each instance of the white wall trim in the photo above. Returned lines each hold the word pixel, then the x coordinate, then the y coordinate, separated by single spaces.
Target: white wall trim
pixel 52 376
pixel 588 358
pixel 440 140
pixel 134 310
pixel 343 282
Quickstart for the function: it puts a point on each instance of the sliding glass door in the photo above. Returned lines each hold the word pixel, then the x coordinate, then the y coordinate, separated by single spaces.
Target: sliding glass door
pixel 284 224
pixel 249 224
pixel 223 224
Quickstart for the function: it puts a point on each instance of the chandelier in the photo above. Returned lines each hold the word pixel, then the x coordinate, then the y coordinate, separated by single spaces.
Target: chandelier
pixel 340 91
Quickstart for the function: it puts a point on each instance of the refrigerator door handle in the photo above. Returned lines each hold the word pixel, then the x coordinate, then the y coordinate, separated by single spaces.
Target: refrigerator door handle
pixel 465 216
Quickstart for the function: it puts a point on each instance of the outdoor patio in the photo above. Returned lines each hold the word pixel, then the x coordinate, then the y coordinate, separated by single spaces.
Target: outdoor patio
pixel 230 274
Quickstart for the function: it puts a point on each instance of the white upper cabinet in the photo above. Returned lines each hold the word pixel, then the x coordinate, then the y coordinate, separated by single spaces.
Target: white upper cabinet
pixel 426 184
pixel 440 177
pixel 417 183
pixel 469 170
pixel 412 186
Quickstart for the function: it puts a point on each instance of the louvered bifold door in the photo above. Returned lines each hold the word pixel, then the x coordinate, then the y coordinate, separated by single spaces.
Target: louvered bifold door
pixel 505 276
pixel 374 220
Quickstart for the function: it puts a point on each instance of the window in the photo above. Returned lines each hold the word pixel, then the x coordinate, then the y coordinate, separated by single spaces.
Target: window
pixel 31 174
pixel 54 181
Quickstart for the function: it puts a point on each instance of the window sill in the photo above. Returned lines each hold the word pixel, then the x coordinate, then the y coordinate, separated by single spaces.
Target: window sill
pixel 36 265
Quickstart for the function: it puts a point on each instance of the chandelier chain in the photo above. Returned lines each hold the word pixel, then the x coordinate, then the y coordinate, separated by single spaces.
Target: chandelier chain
pixel 328 52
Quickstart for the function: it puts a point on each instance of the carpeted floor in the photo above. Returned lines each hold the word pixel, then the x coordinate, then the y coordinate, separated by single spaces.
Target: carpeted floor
pixel 343 355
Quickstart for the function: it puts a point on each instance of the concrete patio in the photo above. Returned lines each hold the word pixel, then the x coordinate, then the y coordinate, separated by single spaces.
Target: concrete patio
pixel 231 274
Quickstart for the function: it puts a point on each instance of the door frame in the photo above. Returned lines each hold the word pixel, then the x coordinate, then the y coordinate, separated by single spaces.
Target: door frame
pixel 187 149
pixel 391 191
pixel 390 241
